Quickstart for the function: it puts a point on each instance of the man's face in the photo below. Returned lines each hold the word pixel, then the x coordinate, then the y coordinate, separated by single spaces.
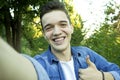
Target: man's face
pixel 57 30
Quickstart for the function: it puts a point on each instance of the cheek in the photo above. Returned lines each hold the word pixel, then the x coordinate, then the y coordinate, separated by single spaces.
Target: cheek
pixel 68 31
pixel 47 35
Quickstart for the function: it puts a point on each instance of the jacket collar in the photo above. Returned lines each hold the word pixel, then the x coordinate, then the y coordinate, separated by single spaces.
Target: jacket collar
pixel 52 58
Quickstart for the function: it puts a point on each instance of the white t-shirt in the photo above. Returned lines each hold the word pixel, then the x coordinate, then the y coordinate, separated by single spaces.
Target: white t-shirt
pixel 68 69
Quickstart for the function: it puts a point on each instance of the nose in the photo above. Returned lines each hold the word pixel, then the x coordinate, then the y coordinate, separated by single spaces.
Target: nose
pixel 57 31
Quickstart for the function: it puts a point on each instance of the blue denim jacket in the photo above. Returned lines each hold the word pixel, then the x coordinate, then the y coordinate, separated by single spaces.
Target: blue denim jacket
pixel 54 70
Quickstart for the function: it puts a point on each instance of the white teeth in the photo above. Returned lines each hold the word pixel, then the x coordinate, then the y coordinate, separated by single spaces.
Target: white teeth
pixel 58 39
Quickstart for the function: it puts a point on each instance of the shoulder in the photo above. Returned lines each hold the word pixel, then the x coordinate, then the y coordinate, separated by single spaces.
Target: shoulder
pixel 41 56
pixel 82 50
pixel 41 73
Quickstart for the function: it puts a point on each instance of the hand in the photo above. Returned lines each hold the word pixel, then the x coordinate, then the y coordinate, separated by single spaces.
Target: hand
pixel 90 73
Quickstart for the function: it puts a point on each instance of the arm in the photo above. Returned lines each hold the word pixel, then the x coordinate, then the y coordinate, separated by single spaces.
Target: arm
pixel 111 70
pixel 14 66
pixel 92 73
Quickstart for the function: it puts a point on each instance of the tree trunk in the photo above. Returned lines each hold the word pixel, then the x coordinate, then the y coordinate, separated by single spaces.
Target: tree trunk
pixel 7 23
pixel 16 31
pixel 13 28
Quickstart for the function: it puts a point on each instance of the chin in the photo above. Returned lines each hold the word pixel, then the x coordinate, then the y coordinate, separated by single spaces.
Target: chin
pixel 59 48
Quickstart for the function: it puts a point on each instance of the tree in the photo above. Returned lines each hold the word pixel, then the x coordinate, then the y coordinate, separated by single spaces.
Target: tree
pixel 11 17
pixel 106 40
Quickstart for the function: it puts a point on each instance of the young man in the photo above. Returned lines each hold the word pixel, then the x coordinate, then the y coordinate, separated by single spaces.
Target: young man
pixel 63 62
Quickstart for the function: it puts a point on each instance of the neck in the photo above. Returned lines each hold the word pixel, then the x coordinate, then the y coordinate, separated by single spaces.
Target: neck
pixel 64 55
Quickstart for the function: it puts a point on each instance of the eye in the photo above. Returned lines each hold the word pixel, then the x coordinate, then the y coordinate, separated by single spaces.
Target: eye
pixel 48 28
pixel 63 25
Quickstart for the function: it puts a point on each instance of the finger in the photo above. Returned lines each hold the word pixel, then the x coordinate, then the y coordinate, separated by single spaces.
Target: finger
pixel 81 77
pixel 89 62
pixel 82 71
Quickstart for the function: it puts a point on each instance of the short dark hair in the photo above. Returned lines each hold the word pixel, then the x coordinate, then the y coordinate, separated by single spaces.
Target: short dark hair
pixel 53 5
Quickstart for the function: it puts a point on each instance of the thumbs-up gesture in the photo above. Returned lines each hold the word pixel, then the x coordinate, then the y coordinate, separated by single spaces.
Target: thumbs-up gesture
pixel 90 73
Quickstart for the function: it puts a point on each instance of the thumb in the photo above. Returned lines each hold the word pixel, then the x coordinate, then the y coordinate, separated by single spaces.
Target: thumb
pixel 89 62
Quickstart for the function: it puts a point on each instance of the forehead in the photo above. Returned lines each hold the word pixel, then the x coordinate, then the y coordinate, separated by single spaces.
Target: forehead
pixel 54 17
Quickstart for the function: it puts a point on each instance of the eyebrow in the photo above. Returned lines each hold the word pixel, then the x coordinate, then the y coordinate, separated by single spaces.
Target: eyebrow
pixel 50 24
pixel 63 21
pixel 46 26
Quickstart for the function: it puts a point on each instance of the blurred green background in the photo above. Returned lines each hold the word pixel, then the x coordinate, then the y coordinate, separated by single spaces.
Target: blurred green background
pixel 20 27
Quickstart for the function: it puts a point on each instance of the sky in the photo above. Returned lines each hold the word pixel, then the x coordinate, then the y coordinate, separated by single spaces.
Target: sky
pixel 92 12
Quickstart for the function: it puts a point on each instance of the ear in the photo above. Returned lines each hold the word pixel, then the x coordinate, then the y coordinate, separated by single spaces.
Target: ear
pixel 72 28
pixel 44 35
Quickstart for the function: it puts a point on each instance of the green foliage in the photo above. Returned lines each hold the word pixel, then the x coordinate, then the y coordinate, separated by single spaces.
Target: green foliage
pixel 105 43
pixel 33 46
pixel 23 11
pixel 77 37
pixel 106 40
pixel 34 42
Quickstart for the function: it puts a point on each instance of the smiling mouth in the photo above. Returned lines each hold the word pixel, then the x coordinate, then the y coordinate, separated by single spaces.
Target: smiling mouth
pixel 59 40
